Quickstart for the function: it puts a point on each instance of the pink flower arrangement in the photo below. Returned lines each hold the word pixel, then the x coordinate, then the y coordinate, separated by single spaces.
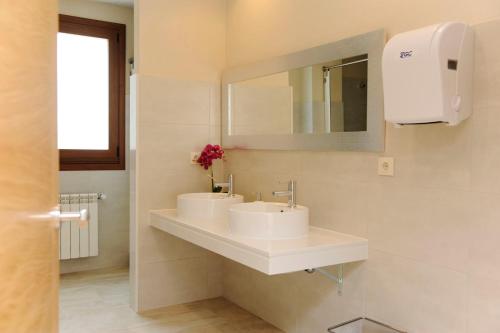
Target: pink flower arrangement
pixel 206 159
pixel 209 154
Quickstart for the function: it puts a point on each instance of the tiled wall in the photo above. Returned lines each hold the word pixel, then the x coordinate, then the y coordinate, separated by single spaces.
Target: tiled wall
pixel 173 119
pixel 113 217
pixel 433 228
pixel 175 108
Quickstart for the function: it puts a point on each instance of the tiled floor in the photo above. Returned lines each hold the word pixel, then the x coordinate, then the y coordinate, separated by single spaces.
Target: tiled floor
pixel 97 302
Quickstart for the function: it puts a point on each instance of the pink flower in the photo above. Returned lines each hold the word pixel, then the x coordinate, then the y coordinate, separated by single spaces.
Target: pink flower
pixel 209 154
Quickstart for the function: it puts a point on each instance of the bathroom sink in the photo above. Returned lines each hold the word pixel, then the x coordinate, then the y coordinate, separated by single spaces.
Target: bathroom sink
pixel 206 206
pixel 268 220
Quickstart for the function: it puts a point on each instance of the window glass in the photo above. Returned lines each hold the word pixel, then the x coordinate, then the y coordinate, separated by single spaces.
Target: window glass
pixel 82 92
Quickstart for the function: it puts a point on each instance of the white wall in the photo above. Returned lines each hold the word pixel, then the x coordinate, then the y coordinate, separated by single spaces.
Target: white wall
pixel 114 211
pixel 432 228
pixel 175 106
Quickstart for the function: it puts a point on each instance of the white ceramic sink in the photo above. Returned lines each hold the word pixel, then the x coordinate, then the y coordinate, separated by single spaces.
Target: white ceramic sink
pixel 206 206
pixel 268 220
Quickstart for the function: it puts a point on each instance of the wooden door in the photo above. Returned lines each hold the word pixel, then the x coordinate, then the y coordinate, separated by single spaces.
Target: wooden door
pixel 28 167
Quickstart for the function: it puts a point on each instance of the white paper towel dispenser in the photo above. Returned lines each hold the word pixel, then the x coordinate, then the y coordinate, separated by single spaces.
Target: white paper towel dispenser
pixel 427 75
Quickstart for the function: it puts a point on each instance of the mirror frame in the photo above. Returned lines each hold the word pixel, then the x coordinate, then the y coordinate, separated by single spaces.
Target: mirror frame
pixel 373 139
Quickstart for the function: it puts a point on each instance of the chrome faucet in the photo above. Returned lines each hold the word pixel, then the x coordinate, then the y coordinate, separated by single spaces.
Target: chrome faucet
pixel 291 194
pixel 229 185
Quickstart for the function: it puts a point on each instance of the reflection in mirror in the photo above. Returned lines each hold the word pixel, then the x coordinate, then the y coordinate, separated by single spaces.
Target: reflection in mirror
pixel 261 106
pixel 327 97
pixel 323 98
pixel 345 86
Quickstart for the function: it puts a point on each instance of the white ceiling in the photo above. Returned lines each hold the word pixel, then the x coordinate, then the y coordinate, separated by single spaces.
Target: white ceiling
pixel 127 3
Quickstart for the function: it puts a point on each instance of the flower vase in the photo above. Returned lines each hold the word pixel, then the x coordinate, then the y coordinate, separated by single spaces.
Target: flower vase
pixel 215 189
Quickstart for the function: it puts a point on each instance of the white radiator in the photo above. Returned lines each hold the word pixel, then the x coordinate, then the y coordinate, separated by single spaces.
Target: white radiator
pixel 76 241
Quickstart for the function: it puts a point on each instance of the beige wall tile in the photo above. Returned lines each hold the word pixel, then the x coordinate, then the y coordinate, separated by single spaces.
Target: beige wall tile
pixel 347 167
pixel 113 217
pixel 288 301
pixel 286 27
pixel 342 206
pixel 487 67
pixel 239 285
pixel 160 246
pixel 151 246
pixel 483 243
pixel 181 39
pixel 172 282
pixel 485 156
pixel 179 56
pixel 321 307
pixel 277 299
pixel 166 148
pixel 165 196
pixel 265 161
pixel 424 224
pixel 483 307
pixel 175 101
pixel 436 156
pixel 415 296
pixel 215 105
pixel 215 274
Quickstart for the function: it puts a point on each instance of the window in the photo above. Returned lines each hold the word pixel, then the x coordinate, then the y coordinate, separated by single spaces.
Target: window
pixel 90 94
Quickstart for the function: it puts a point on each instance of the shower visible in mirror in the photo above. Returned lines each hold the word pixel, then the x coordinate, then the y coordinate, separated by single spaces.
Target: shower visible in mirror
pixel 322 98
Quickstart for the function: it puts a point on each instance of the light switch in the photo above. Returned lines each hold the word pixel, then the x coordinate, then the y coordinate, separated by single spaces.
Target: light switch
pixel 386 166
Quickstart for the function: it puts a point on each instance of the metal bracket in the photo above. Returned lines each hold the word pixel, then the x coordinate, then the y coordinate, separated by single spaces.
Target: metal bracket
pixel 339 279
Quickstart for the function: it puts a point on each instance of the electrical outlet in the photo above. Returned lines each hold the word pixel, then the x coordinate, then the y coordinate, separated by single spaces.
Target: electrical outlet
pixel 386 166
pixel 194 157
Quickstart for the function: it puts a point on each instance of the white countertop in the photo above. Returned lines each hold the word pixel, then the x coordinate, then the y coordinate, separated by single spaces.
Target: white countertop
pixel 321 247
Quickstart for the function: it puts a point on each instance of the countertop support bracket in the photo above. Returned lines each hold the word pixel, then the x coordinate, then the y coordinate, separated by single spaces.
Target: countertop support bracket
pixel 339 278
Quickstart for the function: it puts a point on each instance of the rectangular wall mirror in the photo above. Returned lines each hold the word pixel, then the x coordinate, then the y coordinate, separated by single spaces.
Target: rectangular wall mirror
pixel 325 98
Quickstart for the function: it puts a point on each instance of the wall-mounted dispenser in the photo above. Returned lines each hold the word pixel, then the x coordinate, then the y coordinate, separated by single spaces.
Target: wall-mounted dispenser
pixel 427 75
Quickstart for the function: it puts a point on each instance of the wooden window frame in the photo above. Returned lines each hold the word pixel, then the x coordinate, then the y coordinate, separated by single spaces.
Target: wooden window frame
pixel 114 157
